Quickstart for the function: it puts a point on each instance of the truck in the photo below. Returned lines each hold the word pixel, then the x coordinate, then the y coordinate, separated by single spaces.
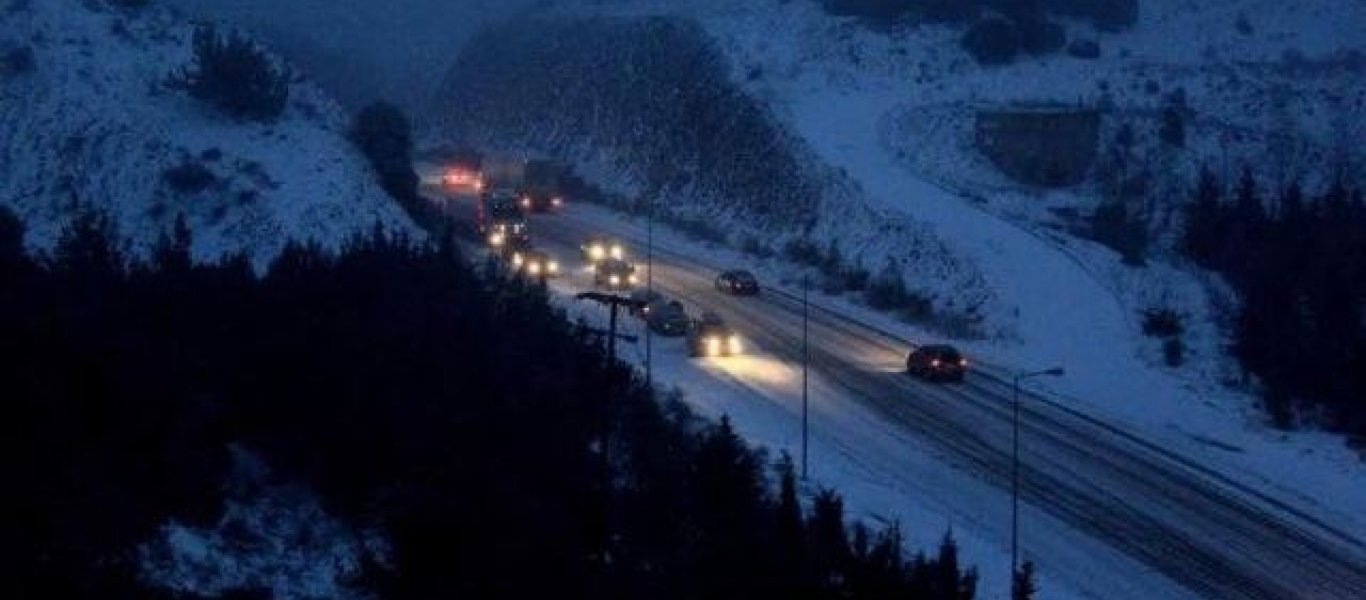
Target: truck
pixel 501 222
pixel 541 188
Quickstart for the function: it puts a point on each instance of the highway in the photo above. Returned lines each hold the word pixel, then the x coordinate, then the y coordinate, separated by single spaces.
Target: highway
pixel 1081 478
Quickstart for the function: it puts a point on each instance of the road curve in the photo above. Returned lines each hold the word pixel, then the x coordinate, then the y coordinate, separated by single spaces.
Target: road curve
pixel 1214 537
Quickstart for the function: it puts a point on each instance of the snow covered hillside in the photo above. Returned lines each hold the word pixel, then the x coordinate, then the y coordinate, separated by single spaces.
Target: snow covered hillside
pixel 91 123
pixel 660 117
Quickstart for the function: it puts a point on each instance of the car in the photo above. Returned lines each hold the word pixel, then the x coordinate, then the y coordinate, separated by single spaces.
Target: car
pixel 462 178
pixel 937 362
pixel 600 247
pixel 711 337
pixel 535 263
pixel 668 318
pixel 540 201
pixel 614 273
pixel 501 222
pixel 508 234
pixel 737 282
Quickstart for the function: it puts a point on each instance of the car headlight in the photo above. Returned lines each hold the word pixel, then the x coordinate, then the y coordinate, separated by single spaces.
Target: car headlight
pixel 713 346
pixel 614 280
pixel 617 252
pixel 496 239
pixel 526 202
pixel 553 267
pixel 517 259
pixel 631 278
pixel 556 201
pixel 734 344
pixel 534 268
pixel 596 252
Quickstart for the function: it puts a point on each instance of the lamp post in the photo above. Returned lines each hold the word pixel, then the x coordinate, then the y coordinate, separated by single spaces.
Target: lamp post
pixel 806 360
pixel 1015 464
pixel 649 286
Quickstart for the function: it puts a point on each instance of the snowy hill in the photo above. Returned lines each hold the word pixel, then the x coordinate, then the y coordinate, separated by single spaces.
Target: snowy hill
pixel 93 124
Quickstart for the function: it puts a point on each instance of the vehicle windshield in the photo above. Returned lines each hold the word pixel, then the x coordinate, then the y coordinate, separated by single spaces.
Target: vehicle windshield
pixel 943 353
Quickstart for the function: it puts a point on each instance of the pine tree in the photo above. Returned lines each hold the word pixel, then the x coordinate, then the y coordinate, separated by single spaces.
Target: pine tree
pixel 172 252
pixel 1023 587
pixel 11 241
pixel 385 136
pixel 1204 221
pixel 791 534
pixel 232 74
pixel 830 546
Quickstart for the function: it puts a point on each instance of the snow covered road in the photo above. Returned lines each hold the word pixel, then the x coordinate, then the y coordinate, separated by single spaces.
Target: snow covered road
pixel 1105 514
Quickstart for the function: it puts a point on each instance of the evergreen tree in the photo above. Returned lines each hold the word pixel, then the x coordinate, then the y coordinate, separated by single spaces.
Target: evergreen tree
pixel 830 544
pixel 1205 228
pixel 384 135
pixel 1022 586
pixel 791 534
pixel 233 75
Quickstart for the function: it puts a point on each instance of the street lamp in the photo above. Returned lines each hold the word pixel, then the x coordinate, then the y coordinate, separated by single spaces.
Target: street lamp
pixel 1015 464
pixel 806 361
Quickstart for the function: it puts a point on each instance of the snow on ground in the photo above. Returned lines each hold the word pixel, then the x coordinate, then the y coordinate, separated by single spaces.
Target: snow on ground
pixel 270 537
pixel 93 124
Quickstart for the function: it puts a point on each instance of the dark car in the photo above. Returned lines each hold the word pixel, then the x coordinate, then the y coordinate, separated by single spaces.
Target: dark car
pixel 501 222
pixel 711 337
pixel 615 273
pixel 667 318
pixel 540 201
pixel 937 362
pixel 508 234
pixel 737 282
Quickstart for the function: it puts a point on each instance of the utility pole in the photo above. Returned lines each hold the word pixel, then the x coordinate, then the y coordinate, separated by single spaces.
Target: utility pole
pixel 1015 466
pixel 613 302
pixel 649 285
pixel 806 360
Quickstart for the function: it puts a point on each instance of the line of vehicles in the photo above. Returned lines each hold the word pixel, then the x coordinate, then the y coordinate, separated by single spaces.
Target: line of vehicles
pixel 502 221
